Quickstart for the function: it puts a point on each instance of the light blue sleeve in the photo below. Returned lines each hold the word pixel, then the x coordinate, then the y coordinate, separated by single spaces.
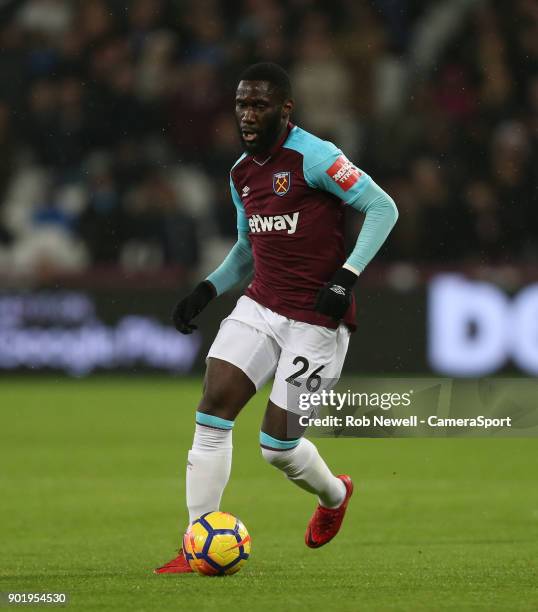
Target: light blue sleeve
pixel 328 168
pixel 381 216
pixel 242 223
pixel 238 264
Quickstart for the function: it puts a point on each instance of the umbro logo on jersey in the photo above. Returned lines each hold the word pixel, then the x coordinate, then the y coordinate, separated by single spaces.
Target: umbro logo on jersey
pixel 338 289
pixel 245 191
pixel 257 223
pixel 344 173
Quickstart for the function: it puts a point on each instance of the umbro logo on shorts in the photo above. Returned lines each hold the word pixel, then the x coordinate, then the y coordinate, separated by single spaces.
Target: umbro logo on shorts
pixel 257 223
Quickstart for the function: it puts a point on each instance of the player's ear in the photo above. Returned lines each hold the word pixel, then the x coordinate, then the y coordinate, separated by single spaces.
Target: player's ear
pixel 287 108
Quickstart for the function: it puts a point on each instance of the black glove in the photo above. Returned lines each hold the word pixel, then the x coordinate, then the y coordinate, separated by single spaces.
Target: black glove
pixel 335 297
pixel 191 306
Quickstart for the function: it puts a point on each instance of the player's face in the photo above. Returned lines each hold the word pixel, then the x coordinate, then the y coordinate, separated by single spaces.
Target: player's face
pixel 261 115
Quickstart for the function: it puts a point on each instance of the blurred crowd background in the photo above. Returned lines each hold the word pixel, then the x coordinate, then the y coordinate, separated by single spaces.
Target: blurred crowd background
pixel 117 130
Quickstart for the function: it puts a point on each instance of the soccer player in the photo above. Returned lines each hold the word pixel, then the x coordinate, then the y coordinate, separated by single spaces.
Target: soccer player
pixel 293 323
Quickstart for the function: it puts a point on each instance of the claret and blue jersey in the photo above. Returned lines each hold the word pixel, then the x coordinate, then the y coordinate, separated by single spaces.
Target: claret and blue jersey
pixel 290 220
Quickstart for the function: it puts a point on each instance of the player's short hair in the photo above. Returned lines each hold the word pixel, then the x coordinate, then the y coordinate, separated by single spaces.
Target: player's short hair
pixel 273 74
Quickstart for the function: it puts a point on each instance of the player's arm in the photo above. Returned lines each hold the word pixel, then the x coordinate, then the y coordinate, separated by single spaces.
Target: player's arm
pixel 237 266
pixel 337 175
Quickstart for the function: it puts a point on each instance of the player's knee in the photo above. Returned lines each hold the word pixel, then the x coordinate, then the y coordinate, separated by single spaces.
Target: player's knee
pixel 218 401
pixel 212 398
pixel 226 390
pixel 277 452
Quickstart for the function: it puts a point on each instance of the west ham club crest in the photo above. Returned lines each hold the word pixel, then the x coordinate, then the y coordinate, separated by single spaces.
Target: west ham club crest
pixel 281 183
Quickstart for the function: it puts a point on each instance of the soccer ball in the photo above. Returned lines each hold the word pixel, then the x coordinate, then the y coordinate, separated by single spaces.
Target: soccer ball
pixel 217 543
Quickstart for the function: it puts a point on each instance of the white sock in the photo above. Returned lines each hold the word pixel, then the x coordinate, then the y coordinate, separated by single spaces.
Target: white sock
pixel 304 466
pixel 208 469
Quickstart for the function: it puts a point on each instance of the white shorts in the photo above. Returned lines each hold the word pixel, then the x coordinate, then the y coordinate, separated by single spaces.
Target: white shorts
pixel 302 357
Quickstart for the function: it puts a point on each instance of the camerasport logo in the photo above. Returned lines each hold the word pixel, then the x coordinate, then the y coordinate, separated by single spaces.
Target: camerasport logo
pixel 344 173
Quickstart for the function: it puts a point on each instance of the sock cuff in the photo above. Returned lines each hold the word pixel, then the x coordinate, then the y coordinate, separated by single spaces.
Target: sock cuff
pixel 267 441
pixel 213 421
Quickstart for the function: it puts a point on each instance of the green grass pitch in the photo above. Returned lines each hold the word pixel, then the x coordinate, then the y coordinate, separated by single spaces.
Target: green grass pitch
pixel 92 499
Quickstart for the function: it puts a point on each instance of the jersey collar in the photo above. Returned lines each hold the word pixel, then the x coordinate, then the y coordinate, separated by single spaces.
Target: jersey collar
pixel 276 146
